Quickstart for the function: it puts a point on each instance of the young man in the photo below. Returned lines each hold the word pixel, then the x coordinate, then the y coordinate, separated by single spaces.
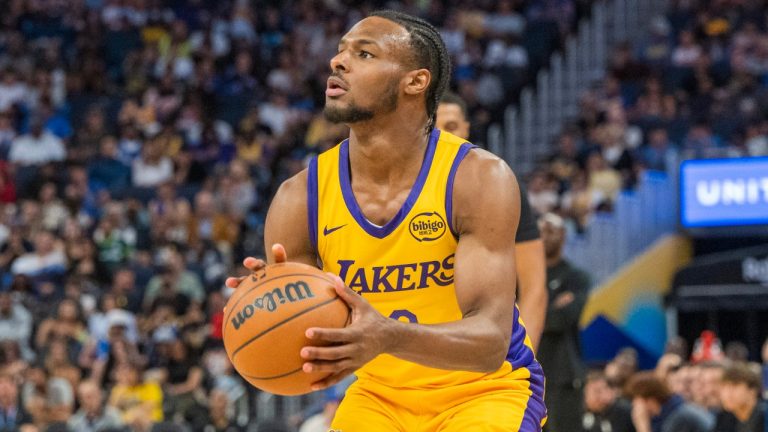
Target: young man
pixel 603 409
pixel 419 228
pixel 452 116
pixel 656 409
pixel 740 395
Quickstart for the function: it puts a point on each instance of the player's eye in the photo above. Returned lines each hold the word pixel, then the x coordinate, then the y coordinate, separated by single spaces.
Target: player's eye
pixel 365 54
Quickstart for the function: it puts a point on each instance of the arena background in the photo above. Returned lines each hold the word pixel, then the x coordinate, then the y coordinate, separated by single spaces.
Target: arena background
pixel 141 142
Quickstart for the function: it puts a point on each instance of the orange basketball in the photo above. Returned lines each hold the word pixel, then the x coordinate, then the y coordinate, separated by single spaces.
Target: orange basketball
pixel 265 321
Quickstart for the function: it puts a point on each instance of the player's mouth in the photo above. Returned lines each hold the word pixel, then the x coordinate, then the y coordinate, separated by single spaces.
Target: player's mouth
pixel 336 87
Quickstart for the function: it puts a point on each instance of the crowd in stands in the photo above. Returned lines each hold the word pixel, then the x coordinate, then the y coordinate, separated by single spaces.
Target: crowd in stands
pixel 694 86
pixel 708 390
pixel 140 144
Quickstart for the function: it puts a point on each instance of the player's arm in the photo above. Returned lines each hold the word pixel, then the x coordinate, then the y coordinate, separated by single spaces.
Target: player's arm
pixel 286 233
pixel 486 219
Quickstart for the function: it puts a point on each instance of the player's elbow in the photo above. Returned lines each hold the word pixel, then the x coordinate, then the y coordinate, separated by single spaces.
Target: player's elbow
pixel 497 354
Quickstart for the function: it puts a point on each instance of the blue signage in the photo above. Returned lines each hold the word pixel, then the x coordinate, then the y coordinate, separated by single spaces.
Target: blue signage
pixel 724 192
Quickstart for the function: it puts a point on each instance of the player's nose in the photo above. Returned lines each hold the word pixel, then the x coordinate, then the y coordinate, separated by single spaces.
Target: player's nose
pixel 339 62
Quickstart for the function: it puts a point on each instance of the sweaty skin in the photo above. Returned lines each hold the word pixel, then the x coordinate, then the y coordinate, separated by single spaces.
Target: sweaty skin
pixel 530 265
pixel 385 155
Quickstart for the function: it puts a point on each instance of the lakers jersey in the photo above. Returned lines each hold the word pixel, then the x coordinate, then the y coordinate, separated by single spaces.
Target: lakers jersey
pixel 405 268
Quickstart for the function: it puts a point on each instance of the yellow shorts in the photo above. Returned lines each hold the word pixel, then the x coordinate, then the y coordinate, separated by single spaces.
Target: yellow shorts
pixel 513 403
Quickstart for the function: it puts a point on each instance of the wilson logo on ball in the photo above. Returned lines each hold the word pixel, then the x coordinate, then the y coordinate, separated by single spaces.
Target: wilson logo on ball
pixel 292 292
pixel 427 226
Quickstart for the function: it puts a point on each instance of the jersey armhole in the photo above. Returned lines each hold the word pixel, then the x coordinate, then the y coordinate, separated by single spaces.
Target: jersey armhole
pixel 312 202
pixel 463 150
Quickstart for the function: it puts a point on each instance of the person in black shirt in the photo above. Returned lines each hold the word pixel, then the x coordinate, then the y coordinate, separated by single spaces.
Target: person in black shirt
pixel 740 395
pixel 604 411
pixel 559 352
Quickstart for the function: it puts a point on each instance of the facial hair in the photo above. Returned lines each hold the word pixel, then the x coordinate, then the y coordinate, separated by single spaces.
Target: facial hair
pixel 354 113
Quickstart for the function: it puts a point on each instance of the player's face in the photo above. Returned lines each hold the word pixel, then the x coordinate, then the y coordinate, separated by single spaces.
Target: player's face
pixel 450 118
pixel 367 71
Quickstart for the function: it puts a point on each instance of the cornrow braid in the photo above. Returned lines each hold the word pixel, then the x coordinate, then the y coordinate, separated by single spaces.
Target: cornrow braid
pixel 429 53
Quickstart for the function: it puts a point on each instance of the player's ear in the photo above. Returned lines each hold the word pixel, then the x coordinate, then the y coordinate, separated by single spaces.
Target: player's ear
pixel 417 81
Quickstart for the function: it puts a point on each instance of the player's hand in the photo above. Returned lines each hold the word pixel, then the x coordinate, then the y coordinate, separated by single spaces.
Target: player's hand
pixel 364 338
pixel 256 264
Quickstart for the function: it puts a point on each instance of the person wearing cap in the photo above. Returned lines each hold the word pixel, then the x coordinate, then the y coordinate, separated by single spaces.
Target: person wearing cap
pixel 559 349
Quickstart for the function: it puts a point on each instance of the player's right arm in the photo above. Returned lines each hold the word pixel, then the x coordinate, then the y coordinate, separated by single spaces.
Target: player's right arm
pixel 286 231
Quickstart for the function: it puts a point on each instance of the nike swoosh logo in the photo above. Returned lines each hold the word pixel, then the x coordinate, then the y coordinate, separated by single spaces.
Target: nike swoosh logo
pixel 327 231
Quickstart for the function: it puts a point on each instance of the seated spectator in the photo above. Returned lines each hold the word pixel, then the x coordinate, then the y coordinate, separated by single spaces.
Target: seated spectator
pixel 107 171
pixel 36 148
pixel 67 325
pixel 12 413
pixel 87 138
pixel 322 421
pixel 656 409
pixel 604 409
pixel 740 395
pixel 139 401
pixel 54 213
pixel 15 324
pixel 219 416
pixel 152 167
pixel 542 192
pixel 175 276
pixel 93 415
pixel 47 259
pixel 209 223
pixel 180 374
pixel 48 399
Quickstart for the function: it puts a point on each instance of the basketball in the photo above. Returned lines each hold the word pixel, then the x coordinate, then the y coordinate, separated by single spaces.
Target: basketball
pixel 265 321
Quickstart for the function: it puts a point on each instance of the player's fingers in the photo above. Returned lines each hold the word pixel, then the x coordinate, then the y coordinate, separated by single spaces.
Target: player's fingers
pixel 233 282
pixel 254 264
pixel 326 366
pixel 326 353
pixel 328 334
pixel 331 379
pixel 278 251
pixel 345 293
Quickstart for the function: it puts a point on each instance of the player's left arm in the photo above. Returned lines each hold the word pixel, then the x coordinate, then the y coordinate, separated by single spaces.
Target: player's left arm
pixel 486 218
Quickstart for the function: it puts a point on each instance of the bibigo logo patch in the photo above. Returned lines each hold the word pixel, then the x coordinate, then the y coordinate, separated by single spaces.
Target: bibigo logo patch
pixel 427 226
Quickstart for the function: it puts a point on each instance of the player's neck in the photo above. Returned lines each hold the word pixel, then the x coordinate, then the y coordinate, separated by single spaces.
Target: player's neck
pixel 385 153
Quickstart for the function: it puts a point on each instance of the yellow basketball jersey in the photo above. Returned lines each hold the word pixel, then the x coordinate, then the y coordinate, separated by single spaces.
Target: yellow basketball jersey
pixel 405 268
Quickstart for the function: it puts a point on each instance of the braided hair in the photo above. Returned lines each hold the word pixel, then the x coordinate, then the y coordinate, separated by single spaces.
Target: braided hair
pixel 429 52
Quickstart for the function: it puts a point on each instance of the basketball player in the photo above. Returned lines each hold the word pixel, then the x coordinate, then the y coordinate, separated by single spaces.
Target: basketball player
pixel 420 228
pixel 530 265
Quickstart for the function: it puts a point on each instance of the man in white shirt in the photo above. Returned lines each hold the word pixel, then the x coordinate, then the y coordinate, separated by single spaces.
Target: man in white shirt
pixel 38 147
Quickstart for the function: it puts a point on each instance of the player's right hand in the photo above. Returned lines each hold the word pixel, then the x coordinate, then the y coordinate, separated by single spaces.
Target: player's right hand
pixel 256 264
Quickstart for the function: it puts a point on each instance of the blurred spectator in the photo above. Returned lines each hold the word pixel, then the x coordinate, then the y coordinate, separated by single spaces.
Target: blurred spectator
pixel 48 399
pixel 93 415
pixel 47 259
pixel 151 168
pixel 139 401
pixel 36 148
pixel 106 171
pixel 176 281
pixel 656 409
pixel 12 413
pixel 322 421
pixel 604 409
pixel 15 324
pixel 219 415
pixel 740 395
pixel 559 351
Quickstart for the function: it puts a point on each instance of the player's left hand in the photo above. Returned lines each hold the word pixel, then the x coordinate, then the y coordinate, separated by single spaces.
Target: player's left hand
pixel 365 337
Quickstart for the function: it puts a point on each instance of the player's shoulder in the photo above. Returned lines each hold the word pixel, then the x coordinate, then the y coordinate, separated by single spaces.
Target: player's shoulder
pixel 294 189
pixel 480 165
